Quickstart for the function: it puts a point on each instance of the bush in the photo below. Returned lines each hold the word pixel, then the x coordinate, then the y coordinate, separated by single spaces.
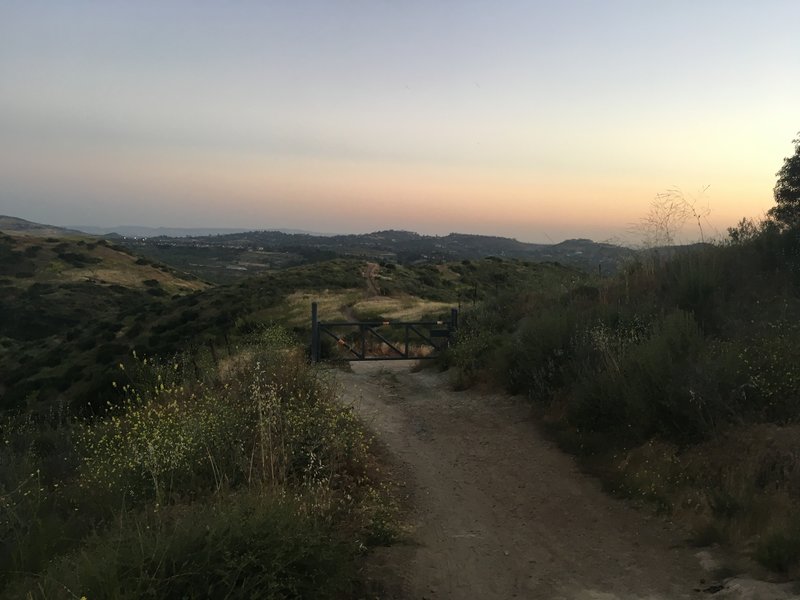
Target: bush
pixel 239 477
pixel 780 551
pixel 771 363
pixel 243 546
pixel 260 423
pixel 647 391
pixel 539 354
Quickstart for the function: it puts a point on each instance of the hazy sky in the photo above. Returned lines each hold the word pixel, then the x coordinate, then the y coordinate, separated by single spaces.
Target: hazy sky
pixel 529 119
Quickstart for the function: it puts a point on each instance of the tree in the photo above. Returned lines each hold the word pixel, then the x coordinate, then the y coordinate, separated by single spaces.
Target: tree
pixel 787 190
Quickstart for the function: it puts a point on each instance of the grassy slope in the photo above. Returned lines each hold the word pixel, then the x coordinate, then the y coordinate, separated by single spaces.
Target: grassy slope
pixel 65 302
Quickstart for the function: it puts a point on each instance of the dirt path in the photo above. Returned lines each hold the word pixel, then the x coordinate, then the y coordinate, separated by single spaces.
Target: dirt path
pixel 370 273
pixel 499 512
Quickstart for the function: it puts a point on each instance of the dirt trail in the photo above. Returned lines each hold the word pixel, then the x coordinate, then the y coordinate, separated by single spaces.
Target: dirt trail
pixel 370 274
pixel 499 512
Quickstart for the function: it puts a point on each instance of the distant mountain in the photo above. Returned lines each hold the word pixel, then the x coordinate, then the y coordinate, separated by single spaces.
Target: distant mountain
pixel 144 231
pixel 404 247
pixel 16 226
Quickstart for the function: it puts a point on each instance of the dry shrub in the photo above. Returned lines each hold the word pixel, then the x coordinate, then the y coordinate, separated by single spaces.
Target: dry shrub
pixel 742 487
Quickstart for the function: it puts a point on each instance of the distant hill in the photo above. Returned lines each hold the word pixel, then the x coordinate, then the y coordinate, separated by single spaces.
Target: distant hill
pixel 148 232
pixel 16 226
pixel 72 310
pixel 228 257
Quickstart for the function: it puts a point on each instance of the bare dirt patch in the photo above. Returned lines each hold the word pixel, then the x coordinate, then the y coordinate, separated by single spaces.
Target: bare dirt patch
pixel 499 512
pixel 370 273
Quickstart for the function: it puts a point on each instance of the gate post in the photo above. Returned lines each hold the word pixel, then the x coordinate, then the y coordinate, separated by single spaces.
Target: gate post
pixel 454 318
pixel 314 334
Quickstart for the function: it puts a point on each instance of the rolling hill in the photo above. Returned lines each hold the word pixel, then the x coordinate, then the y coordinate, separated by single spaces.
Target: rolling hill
pixel 63 305
pixel 16 226
pixel 71 309
pixel 227 258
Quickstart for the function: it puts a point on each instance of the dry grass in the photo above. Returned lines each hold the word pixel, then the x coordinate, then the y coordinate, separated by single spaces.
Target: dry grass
pixel 114 268
pixel 406 308
pixel 330 305
pixel 351 304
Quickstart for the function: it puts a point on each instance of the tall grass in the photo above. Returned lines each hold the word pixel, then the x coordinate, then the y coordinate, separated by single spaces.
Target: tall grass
pixel 236 477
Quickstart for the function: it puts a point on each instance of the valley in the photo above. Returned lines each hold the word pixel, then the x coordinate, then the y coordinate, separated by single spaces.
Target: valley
pixel 572 412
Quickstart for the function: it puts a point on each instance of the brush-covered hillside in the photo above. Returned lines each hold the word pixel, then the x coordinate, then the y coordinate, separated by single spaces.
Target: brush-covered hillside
pixel 72 309
pixel 678 382
pixel 63 305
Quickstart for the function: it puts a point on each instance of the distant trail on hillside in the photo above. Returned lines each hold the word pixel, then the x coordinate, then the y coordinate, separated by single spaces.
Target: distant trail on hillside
pixel 370 272
pixel 498 512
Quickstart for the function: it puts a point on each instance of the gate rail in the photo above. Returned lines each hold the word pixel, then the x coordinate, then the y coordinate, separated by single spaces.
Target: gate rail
pixel 433 334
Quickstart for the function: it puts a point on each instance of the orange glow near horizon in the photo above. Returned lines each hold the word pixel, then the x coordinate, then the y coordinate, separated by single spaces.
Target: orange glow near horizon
pixel 359 196
pixel 561 119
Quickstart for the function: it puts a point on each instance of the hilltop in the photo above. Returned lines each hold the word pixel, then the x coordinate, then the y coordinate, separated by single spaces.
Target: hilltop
pixel 225 258
pixel 16 226
pixel 223 255
pixel 144 231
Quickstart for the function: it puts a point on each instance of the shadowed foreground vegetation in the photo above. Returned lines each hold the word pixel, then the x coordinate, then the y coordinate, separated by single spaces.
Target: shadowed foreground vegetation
pixel 678 381
pixel 240 479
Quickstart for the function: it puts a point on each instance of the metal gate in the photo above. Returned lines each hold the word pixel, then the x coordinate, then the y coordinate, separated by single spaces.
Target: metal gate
pixel 396 340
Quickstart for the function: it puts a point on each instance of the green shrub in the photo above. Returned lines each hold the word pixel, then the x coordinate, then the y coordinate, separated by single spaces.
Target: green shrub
pixel 771 362
pixel 263 422
pixel 243 546
pixel 647 392
pixel 240 476
pixel 780 551
pixel 539 353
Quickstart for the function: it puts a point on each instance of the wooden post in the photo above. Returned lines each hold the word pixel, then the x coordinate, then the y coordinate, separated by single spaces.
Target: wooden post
pixel 314 334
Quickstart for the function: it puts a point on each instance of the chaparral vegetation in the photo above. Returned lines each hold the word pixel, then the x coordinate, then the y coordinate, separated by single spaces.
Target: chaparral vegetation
pixel 676 381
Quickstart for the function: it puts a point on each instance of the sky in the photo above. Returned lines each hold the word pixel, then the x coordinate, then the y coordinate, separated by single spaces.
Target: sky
pixel 535 120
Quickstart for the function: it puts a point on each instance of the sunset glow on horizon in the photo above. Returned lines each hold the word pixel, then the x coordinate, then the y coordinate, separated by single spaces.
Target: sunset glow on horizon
pixel 534 120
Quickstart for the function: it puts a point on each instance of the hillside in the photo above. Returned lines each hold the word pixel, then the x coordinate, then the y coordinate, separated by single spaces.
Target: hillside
pixel 15 226
pixel 145 231
pixel 226 258
pixel 71 310
pixel 64 303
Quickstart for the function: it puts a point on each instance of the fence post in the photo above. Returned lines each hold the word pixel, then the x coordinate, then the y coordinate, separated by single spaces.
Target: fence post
pixel 453 318
pixel 314 334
